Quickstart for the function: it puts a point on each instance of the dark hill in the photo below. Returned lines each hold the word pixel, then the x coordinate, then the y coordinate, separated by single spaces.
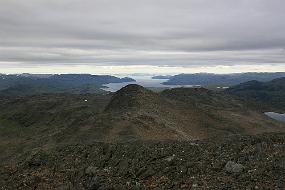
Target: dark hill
pixel 135 112
pixel 182 113
pixel 132 97
pixel 271 93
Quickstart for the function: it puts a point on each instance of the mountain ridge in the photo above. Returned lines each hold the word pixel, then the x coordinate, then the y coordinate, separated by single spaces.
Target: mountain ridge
pixel 218 79
pixel 30 84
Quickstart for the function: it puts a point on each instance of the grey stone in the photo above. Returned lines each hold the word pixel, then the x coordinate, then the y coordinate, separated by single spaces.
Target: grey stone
pixel 170 158
pixel 233 167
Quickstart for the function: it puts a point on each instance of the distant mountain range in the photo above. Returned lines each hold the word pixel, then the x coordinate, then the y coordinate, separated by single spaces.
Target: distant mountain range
pixel 30 84
pixel 271 93
pixel 218 79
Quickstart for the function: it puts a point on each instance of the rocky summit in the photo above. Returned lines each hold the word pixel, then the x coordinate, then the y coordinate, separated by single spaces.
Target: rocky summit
pixel 133 97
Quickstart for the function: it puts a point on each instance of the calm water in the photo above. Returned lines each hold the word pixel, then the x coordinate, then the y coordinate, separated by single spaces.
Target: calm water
pixel 145 81
pixel 276 116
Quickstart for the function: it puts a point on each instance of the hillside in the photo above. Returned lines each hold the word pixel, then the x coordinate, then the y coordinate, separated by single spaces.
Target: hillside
pixel 133 113
pixel 219 79
pixel 271 93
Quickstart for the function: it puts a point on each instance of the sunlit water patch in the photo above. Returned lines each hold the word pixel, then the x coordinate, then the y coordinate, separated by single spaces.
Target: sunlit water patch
pixel 276 116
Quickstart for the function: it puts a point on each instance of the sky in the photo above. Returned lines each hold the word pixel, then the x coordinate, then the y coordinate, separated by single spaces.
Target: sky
pixel 146 36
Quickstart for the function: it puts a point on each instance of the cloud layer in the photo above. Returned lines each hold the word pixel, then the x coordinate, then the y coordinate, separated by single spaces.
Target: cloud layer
pixel 164 33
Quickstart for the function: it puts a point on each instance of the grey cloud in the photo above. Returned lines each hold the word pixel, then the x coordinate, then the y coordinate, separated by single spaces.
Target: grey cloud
pixel 127 32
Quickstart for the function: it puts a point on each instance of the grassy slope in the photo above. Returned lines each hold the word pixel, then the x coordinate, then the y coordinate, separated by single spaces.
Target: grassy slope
pixel 44 120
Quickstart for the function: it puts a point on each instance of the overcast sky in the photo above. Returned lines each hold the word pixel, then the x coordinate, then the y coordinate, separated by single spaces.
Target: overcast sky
pixel 159 36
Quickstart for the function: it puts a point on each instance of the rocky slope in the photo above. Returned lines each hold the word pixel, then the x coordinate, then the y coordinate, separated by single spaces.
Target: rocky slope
pixel 233 163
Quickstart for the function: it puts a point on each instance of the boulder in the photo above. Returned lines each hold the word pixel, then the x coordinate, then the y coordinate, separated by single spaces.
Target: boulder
pixel 232 167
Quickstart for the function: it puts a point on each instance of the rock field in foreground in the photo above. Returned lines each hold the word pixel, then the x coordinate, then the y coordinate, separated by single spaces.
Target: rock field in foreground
pixel 233 163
